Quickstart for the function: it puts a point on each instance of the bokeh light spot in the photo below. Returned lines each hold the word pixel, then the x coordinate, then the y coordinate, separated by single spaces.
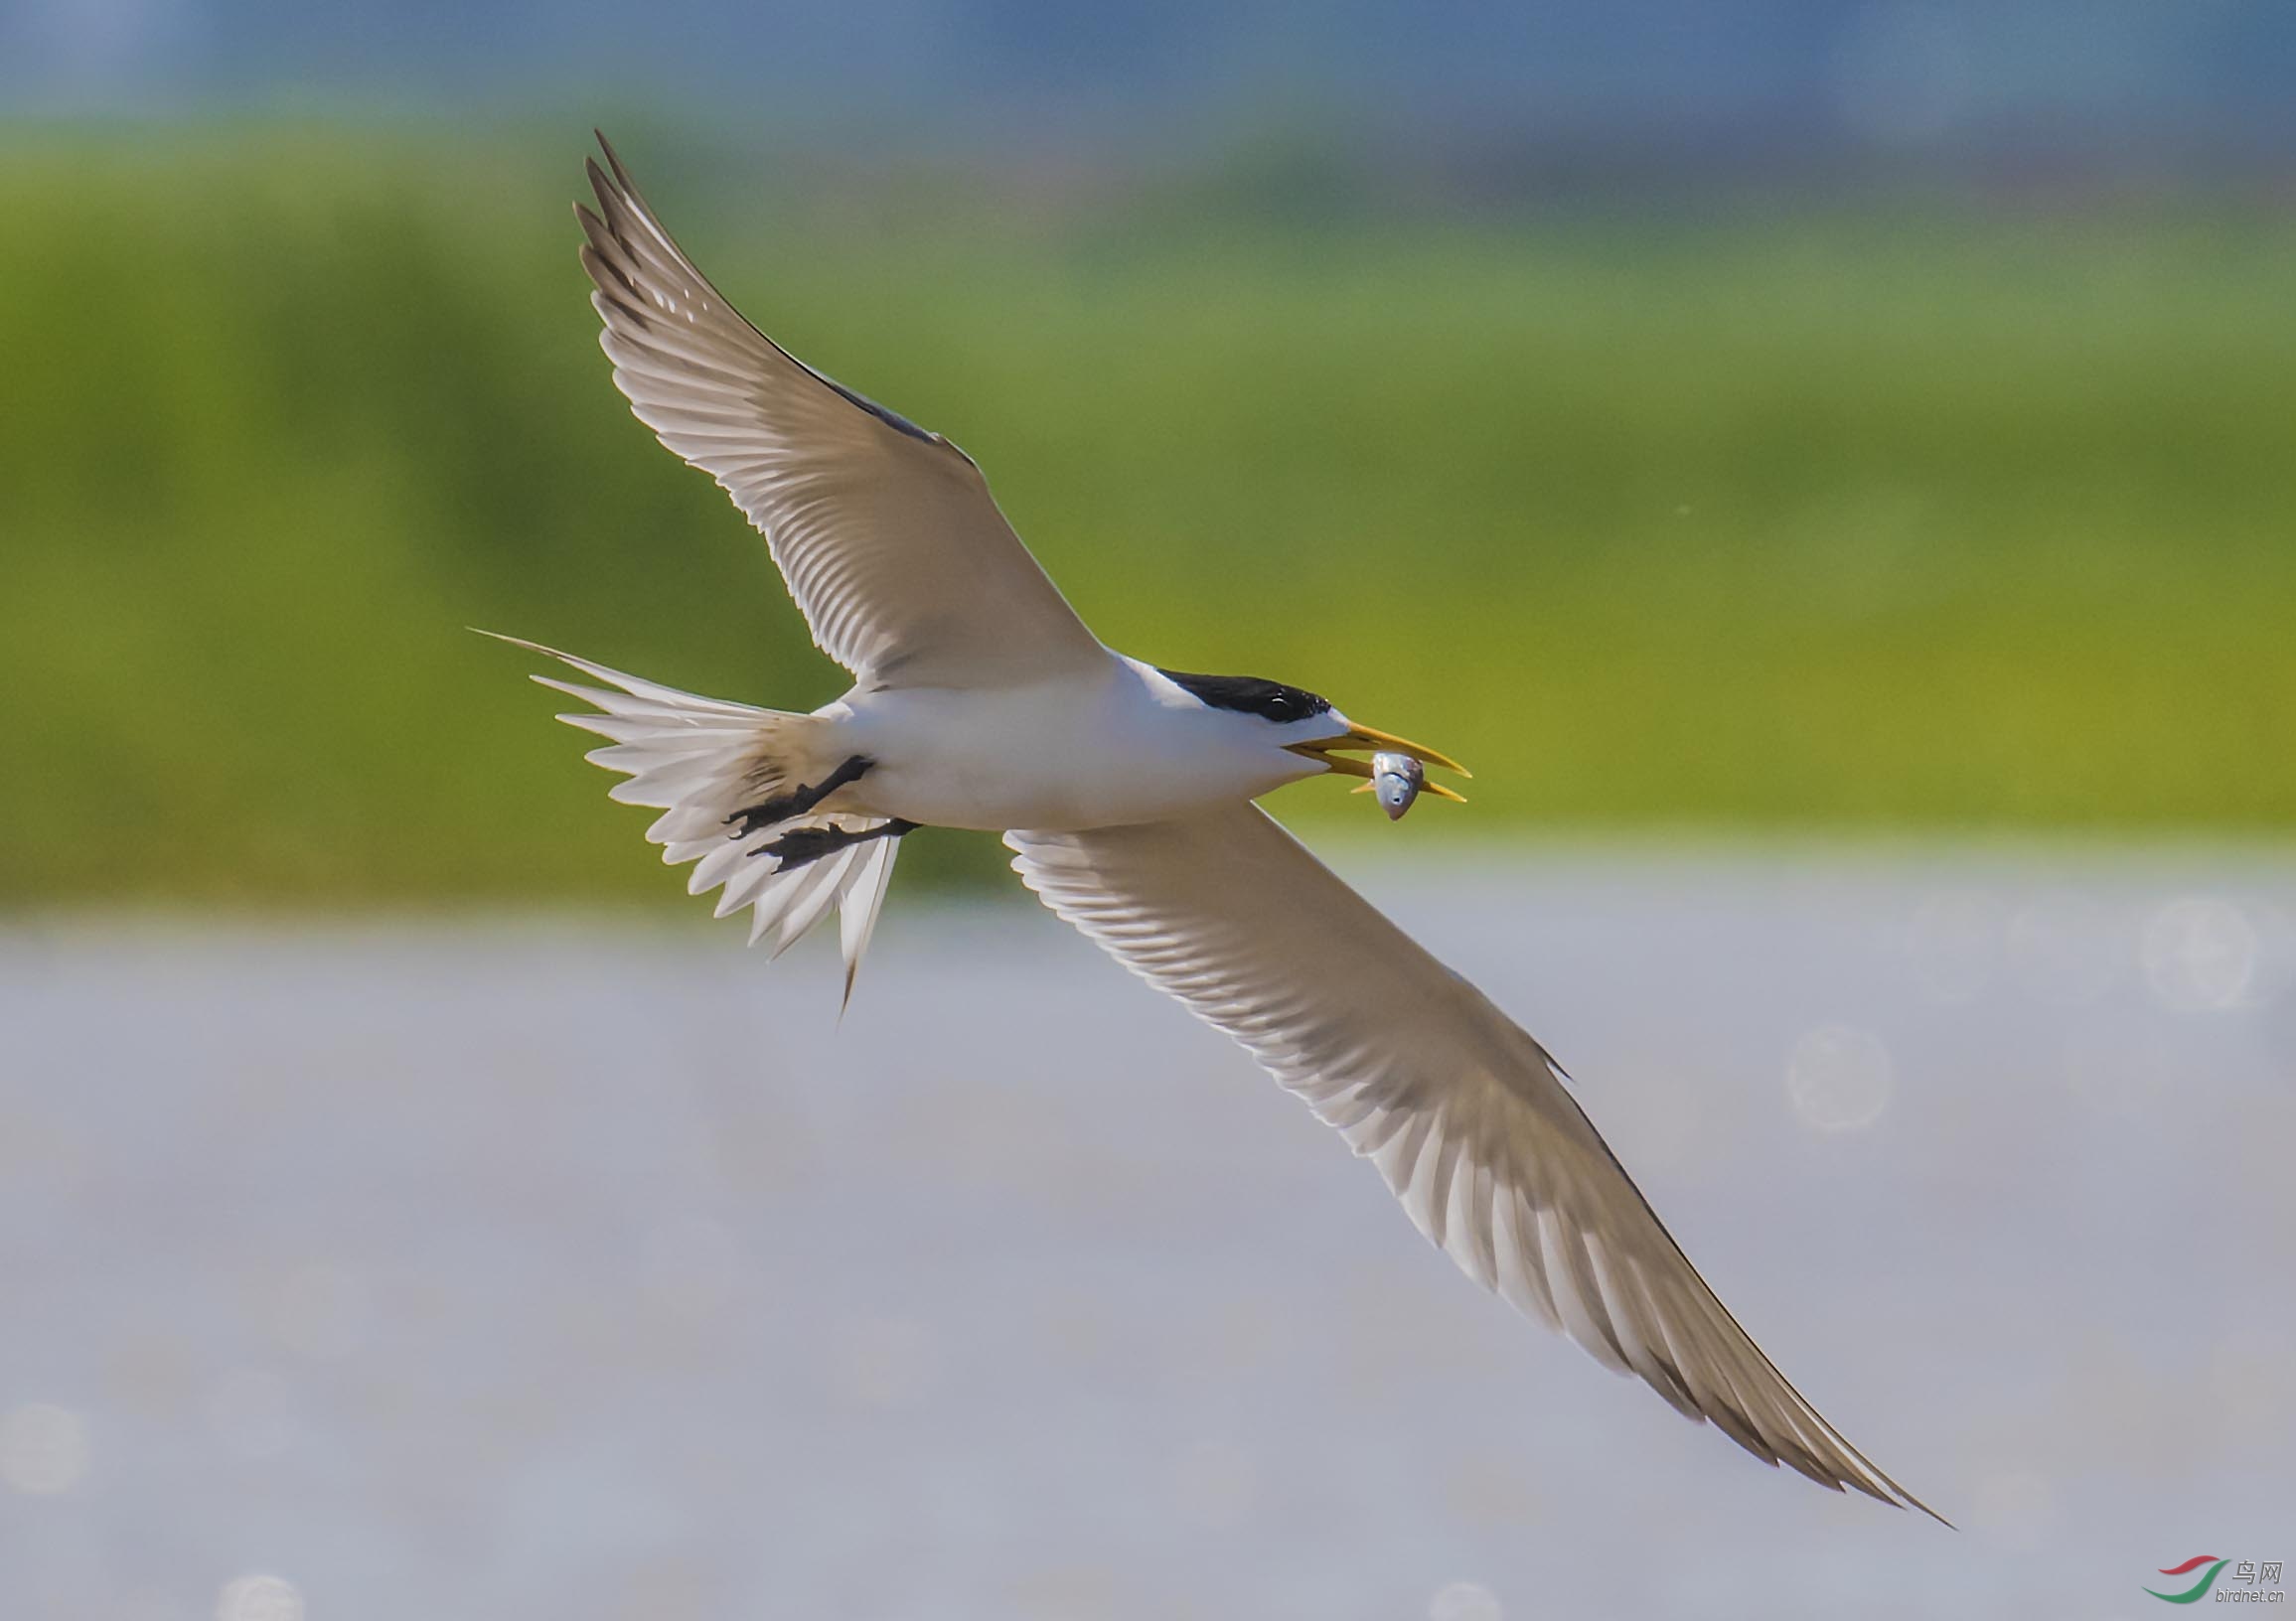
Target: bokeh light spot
pixel 2199 954
pixel 1839 1079
pixel 1464 1601
pixel 260 1598
pixel 43 1450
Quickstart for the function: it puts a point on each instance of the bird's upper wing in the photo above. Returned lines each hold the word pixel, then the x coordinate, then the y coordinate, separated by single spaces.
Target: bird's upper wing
pixel 887 536
pixel 1462 1111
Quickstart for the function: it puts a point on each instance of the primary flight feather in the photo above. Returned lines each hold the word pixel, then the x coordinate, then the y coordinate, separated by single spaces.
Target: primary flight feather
pixel 1126 791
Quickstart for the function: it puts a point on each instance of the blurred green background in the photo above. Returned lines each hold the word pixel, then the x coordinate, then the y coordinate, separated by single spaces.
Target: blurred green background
pixel 1876 516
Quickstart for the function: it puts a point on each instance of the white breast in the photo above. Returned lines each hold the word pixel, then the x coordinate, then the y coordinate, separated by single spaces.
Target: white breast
pixel 1128 747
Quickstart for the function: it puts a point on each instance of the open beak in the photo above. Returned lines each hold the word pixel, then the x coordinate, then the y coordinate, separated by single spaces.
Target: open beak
pixel 1369 738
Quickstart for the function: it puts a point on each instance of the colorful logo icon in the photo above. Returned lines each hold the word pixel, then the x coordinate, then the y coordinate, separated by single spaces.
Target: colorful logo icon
pixel 2199 1589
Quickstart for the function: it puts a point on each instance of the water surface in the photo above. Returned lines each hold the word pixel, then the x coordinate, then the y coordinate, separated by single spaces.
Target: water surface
pixel 591 1270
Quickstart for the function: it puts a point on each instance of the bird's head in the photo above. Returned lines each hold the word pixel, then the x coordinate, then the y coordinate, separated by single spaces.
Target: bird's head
pixel 1305 724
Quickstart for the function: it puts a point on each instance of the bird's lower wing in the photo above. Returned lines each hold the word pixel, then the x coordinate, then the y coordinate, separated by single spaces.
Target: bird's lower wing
pixel 1462 1111
pixel 888 538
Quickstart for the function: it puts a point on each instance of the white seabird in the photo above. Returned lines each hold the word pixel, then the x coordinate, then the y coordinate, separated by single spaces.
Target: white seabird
pixel 1126 792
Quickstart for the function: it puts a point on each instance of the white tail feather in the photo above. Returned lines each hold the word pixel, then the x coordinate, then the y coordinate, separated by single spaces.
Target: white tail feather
pixel 857 917
pixel 701 761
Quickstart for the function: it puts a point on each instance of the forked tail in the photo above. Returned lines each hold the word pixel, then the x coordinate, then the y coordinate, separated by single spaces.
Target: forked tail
pixel 712 767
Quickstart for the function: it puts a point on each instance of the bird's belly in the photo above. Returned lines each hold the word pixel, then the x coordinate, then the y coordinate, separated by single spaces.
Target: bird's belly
pixel 960 789
pixel 1032 758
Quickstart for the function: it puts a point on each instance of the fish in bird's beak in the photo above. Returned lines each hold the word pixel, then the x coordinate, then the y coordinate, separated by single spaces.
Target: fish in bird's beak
pixel 1397 780
pixel 1378 742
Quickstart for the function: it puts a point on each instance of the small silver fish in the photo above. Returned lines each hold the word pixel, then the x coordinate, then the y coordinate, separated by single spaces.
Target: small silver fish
pixel 1396 780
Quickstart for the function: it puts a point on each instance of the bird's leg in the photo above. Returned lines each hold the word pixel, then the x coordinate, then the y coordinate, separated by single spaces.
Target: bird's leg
pixel 802 846
pixel 797 801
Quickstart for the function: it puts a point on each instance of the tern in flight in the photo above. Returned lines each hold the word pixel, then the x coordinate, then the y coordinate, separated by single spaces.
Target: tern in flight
pixel 1125 793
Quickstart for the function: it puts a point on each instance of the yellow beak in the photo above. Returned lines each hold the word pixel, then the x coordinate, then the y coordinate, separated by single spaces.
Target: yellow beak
pixel 1367 737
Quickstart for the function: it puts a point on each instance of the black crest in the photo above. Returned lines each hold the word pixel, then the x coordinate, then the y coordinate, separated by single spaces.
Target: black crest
pixel 1249 694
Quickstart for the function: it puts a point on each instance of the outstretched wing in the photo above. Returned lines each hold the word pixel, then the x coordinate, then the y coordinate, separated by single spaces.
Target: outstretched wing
pixel 890 543
pixel 1462 1111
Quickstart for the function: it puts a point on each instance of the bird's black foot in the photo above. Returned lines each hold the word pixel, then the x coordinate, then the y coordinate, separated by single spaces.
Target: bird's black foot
pixel 797 801
pixel 802 846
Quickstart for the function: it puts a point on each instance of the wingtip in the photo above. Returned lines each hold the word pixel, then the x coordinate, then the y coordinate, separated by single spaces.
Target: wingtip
pixel 1909 1500
pixel 515 640
pixel 613 157
pixel 1882 1488
pixel 547 651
